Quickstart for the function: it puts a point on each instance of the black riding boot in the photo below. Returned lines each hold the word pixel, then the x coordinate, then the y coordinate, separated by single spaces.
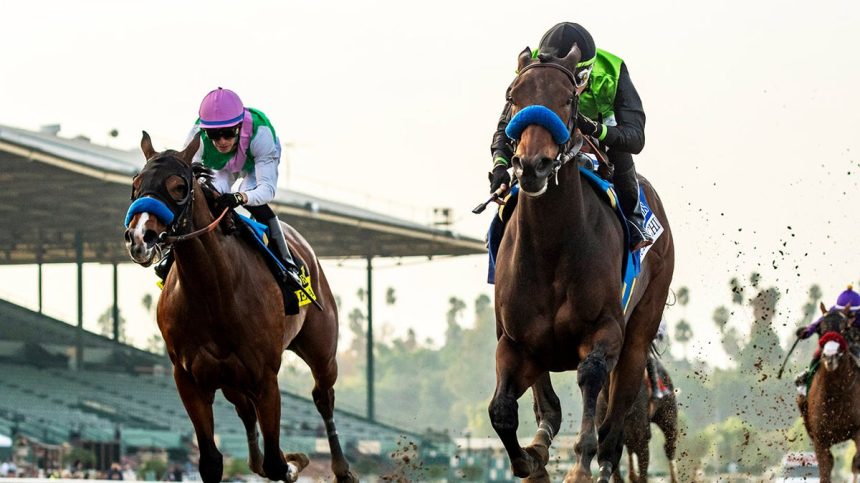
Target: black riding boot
pixel 627 187
pixel 162 268
pixel 291 275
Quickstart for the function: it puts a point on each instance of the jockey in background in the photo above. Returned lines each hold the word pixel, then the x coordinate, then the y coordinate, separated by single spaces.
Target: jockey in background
pixel 848 299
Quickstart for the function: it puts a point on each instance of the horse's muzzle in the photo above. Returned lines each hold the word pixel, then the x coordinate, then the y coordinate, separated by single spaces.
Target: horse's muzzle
pixel 533 173
pixel 141 245
pixel 831 363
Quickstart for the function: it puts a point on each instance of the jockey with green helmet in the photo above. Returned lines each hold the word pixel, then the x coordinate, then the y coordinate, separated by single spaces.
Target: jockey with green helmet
pixel 235 142
pixel 609 110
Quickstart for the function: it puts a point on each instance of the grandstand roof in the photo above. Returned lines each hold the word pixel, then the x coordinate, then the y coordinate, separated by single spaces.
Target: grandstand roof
pixel 52 186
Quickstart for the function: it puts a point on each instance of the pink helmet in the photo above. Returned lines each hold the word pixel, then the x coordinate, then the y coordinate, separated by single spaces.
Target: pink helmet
pixel 221 108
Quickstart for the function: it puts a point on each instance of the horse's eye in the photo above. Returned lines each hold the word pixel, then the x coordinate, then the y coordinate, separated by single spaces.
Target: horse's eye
pixel 176 188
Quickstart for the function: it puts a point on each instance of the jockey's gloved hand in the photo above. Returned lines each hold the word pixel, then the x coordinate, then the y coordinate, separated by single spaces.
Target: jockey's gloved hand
pixel 587 126
pixel 230 200
pixel 801 333
pixel 499 176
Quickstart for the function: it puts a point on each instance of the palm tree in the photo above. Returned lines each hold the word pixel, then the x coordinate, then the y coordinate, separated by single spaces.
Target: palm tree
pixel 683 334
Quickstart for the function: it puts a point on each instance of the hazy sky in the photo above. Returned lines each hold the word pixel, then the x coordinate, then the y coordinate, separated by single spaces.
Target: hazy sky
pixel 752 131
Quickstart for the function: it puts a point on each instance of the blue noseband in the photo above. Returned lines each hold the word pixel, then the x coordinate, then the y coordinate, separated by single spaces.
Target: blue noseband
pixel 149 205
pixel 542 116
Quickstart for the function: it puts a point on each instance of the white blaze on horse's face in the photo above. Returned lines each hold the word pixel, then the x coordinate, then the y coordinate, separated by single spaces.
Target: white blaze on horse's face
pixel 141 237
pixel 533 160
pixel 830 355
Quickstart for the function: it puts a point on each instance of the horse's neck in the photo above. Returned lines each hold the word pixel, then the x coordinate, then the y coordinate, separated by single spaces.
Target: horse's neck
pixel 548 220
pixel 202 262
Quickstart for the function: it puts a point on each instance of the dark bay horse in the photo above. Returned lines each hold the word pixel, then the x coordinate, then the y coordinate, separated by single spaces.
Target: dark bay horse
pixel 558 287
pixel 221 314
pixel 637 432
pixel 831 410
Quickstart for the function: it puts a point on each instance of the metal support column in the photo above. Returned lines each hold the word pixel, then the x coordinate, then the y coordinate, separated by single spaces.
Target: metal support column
pixel 115 304
pixel 79 339
pixel 370 405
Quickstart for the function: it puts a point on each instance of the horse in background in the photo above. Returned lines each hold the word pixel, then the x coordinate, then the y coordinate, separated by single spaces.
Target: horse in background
pixel 222 317
pixel 831 409
pixel 637 429
pixel 559 283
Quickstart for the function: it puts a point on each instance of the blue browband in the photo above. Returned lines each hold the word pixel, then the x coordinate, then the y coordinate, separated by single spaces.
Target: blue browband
pixel 149 205
pixel 542 116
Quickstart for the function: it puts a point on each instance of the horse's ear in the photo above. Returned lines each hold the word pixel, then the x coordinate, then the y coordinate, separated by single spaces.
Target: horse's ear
pixel 524 59
pixel 847 309
pixel 146 146
pixel 572 58
pixel 190 150
pixel 823 308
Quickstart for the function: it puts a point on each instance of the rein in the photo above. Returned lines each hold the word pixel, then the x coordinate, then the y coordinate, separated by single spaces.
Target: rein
pixel 170 239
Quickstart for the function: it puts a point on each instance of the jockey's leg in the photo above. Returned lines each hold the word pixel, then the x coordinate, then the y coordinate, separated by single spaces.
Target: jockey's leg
pixel 265 215
pixel 162 268
pixel 627 186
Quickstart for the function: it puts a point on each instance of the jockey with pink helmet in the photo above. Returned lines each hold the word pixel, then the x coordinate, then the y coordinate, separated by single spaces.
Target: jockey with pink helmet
pixel 238 141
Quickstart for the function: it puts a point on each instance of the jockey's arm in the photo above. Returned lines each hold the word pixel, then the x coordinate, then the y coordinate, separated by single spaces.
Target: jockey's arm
pixel 267 155
pixel 628 135
pixel 501 148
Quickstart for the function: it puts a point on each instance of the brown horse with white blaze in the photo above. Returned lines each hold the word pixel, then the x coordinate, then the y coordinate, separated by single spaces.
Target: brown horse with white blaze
pixel 831 413
pixel 558 288
pixel 221 314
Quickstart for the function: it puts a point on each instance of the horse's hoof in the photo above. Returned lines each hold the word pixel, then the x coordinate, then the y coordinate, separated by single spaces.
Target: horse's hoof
pixel 525 465
pixel 578 477
pixel 539 476
pixel 538 452
pixel 350 477
pixel 300 460
pixel 605 473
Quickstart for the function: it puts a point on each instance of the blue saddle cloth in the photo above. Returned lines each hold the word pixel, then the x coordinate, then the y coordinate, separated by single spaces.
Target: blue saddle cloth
pixel 631 261
pixel 260 233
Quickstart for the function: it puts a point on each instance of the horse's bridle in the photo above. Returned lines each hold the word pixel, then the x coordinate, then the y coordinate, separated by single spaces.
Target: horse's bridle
pixel 570 149
pixel 178 229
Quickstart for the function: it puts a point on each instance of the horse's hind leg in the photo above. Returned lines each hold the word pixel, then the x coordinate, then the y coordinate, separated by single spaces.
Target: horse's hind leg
pixel 269 413
pixel 515 372
pixel 323 394
pixel 666 418
pixel 198 405
pixel 323 365
pixel 248 414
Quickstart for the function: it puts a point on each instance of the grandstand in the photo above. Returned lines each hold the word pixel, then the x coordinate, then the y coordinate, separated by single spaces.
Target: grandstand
pixel 61 384
pixel 127 396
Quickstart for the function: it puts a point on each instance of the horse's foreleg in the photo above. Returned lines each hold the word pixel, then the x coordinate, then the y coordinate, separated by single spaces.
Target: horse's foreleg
pixel 547 410
pixel 515 372
pixel 269 413
pixel 855 462
pixel 248 414
pixel 591 375
pixel 198 405
pixel 825 461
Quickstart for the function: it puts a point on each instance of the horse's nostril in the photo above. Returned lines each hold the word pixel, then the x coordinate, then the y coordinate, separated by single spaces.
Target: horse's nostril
pixel 128 236
pixel 150 237
pixel 516 162
pixel 544 165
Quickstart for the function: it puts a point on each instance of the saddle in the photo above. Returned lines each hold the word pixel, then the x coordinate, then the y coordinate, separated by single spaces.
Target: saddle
pixel 256 234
